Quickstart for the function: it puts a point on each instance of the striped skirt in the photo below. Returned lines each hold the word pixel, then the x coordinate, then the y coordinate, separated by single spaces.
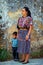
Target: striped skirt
pixel 23 45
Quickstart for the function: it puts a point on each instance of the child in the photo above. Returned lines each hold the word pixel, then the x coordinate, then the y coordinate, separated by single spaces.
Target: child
pixel 14 46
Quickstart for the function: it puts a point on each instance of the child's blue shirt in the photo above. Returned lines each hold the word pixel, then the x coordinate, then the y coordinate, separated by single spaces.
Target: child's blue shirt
pixel 14 42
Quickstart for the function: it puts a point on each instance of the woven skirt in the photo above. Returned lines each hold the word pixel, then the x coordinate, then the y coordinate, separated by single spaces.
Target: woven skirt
pixel 23 45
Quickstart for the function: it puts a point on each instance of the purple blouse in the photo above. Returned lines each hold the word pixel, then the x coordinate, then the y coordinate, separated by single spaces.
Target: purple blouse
pixel 25 22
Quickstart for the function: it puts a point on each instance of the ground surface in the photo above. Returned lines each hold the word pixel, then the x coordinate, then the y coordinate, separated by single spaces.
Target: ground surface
pixel 32 62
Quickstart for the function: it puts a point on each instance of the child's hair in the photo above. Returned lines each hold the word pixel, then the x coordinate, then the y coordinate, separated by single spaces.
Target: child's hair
pixel 15 33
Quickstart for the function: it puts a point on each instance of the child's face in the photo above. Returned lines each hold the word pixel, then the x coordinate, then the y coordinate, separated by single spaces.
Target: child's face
pixel 14 36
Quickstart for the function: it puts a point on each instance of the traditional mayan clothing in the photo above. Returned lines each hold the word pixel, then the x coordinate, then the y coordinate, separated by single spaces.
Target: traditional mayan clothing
pixel 23 45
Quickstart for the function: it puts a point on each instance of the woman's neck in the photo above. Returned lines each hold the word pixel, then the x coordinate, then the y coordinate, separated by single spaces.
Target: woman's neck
pixel 25 16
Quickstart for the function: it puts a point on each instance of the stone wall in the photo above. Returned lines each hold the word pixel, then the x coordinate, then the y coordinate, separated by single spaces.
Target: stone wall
pixel 10 11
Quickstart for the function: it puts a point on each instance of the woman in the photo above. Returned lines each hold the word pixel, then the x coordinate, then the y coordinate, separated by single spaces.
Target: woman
pixel 24 30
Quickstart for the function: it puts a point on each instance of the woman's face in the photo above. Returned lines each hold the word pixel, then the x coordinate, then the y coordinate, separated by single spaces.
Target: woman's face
pixel 24 12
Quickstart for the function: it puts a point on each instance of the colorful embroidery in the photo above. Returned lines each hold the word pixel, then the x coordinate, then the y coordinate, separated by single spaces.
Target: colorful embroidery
pixel 25 22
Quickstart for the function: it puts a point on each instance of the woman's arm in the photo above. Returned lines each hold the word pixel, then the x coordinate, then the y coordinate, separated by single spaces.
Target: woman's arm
pixel 29 32
pixel 18 24
pixel 30 29
pixel 31 23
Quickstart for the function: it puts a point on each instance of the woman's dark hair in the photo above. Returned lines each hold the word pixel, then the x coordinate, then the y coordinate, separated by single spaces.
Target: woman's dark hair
pixel 28 11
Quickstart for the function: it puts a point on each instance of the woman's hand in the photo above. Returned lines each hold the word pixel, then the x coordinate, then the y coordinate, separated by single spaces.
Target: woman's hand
pixel 27 37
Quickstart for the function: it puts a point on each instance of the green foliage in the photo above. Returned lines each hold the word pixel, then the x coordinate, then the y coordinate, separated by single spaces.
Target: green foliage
pixel 41 53
pixel 35 54
pixel 38 54
pixel 4 54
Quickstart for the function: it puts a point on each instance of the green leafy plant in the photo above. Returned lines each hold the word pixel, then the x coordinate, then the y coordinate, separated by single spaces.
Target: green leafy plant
pixel 4 55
